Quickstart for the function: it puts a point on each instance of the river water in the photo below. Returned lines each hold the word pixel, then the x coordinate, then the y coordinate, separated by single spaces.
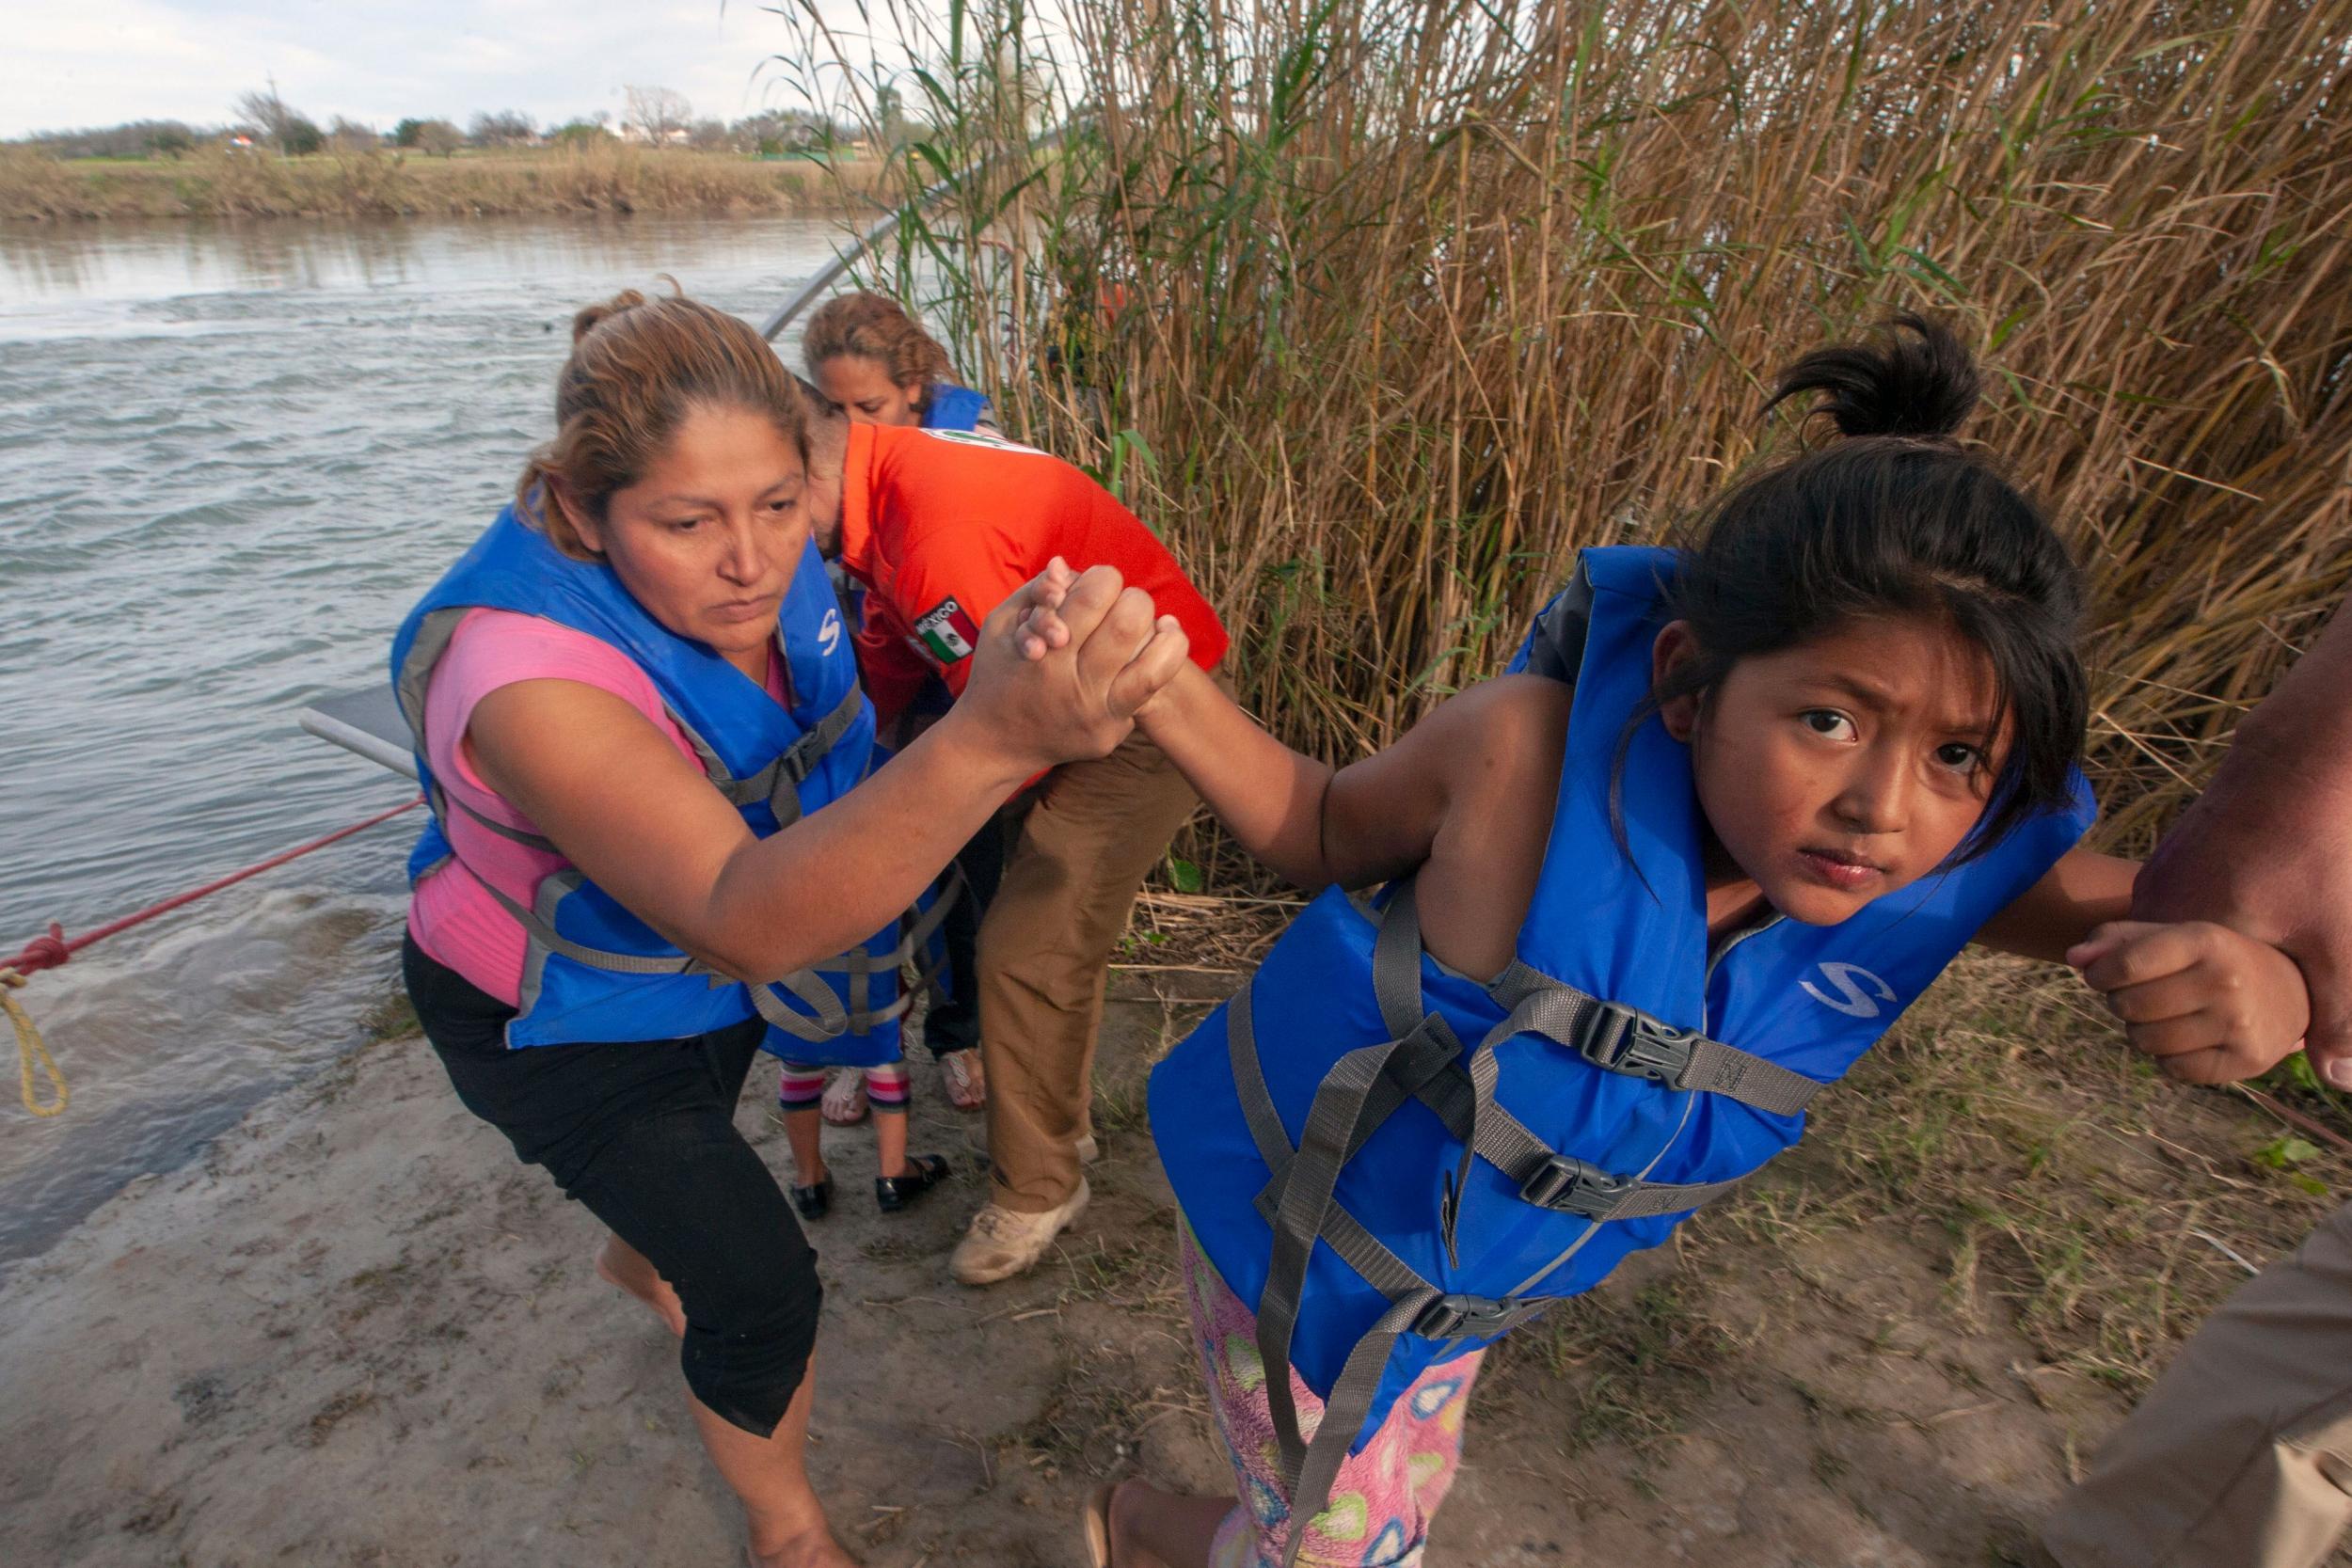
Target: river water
pixel 229 460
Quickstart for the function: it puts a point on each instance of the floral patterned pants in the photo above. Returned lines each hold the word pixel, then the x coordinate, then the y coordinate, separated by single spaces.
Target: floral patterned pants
pixel 1384 1497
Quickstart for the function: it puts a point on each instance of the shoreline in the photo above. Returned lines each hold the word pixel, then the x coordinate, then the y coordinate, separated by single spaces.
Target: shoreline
pixel 37 192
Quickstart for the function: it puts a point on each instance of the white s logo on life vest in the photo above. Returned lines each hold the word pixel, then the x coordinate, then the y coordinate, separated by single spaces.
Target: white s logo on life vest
pixel 1851 999
pixel 829 632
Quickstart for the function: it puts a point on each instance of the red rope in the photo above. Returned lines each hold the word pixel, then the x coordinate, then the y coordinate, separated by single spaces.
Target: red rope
pixel 48 952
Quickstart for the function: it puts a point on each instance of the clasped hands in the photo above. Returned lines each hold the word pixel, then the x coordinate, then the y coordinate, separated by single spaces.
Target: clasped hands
pixel 1068 659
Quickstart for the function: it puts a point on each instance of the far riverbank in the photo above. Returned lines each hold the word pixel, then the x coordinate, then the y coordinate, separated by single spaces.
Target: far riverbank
pixel 39 189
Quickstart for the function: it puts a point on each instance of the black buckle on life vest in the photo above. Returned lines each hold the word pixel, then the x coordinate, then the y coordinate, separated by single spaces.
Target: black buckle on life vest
pixel 1465 1316
pixel 1626 1040
pixel 1573 1187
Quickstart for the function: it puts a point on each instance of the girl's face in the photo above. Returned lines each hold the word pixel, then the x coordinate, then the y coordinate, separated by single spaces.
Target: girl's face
pixel 1835 771
pixel 865 388
pixel 710 536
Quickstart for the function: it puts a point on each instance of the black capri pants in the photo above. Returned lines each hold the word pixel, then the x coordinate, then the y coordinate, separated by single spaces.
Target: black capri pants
pixel 642 1132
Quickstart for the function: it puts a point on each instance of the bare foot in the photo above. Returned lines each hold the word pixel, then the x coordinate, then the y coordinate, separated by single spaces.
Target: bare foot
pixel 620 1264
pixel 815 1549
pixel 1152 1529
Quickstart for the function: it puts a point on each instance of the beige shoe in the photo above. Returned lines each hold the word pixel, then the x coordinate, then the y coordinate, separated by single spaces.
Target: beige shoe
pixel 1003 1242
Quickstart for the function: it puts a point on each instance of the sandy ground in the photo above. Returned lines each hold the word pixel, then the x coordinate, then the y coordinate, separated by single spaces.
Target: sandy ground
pixel 356 1331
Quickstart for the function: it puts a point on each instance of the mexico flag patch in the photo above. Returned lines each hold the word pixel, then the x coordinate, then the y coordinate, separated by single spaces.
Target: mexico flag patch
pixel 946 633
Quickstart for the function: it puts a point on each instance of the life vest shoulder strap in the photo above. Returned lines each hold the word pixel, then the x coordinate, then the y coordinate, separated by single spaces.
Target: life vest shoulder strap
pixel 779 782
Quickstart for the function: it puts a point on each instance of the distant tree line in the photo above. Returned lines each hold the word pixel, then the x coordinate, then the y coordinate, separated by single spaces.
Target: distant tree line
pixel 265 121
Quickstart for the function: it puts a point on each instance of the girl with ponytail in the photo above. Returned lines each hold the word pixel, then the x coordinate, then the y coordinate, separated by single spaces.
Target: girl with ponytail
pixel 1734 807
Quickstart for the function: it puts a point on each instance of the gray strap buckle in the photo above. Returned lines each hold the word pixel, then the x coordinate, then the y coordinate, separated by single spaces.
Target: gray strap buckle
pixel 1574 1187
pixel 1626 1040
pixel 1467 1317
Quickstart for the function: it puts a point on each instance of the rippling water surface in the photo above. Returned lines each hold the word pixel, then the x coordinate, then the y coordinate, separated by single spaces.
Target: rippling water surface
pixel 230 459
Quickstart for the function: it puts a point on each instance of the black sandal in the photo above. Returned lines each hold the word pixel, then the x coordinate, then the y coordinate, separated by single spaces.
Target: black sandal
pixel 814 1201
pixel 924 1172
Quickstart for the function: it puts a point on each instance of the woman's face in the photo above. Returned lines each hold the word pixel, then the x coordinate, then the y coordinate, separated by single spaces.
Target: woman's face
pixel 708 537
pixel 865 388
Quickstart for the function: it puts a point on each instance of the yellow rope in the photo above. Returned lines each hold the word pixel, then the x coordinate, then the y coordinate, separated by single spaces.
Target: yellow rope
pixel 31 1051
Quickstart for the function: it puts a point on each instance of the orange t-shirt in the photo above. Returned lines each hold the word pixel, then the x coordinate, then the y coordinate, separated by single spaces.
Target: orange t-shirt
pixel 941 525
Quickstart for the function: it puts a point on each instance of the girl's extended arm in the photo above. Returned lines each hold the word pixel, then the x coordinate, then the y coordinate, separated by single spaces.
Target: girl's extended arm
pixel 1373 819
pixel 1312 824
pixel 2083 892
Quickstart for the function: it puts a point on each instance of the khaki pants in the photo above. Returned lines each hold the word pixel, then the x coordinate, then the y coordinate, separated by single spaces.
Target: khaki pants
pixel 2241 1456
pixel 1046 942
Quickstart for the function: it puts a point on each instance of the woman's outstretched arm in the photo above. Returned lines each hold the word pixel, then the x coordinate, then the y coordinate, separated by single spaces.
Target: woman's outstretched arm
pixel 620 803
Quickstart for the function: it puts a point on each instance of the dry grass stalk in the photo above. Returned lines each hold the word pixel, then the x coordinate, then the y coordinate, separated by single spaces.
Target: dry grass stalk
pixel 1380 310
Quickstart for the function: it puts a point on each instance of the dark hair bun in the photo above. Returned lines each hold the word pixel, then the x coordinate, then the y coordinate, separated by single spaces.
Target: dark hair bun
pixel 1915 378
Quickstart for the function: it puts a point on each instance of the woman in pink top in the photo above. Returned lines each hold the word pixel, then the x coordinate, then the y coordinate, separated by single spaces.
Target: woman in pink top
pixel 679 469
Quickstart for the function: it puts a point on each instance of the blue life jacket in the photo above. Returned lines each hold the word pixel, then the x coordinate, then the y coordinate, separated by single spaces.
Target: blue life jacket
pixel 592 969
pixel 1319 1129
pixel 950 406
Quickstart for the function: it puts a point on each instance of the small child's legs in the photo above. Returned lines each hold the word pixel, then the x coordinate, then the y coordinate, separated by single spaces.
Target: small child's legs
pixel 800 1091
pixel 886 1088
pixel 1384 1497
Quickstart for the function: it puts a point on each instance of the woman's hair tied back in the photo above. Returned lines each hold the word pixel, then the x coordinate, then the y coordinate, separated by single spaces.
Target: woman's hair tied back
pixel 638 366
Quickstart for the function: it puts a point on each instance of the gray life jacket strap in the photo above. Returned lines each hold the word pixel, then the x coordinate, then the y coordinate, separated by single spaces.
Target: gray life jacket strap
pixel 1357 1247
pixel 1415 1306
pixel 779 782
pixel 1396 962
pixel 442 800
pixel 1429 1066
pixel 1307 1199
pixel 1609 1035
pixel 916 928
pixel 832 1019
pixel 1626 1040
pixel 1546 1178
pixel 1423 1311
pixel 540 927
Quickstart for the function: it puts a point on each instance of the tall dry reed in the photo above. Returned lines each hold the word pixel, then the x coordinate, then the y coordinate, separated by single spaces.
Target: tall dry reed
pixel 1380 309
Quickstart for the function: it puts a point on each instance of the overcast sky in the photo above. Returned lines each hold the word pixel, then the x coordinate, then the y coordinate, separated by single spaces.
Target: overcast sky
pixel 72 63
